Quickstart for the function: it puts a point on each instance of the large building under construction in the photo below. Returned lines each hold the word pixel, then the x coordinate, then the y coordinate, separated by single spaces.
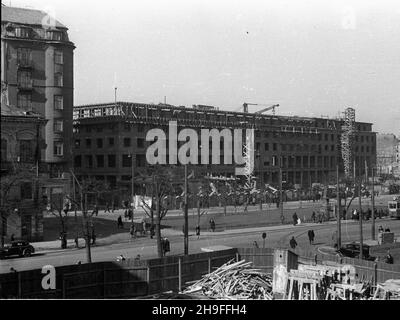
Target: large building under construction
pixel 110 141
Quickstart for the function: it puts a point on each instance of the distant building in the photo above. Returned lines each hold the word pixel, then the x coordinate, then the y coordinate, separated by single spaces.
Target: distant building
pixel 37 75
pixel 388 154
pixel 106 135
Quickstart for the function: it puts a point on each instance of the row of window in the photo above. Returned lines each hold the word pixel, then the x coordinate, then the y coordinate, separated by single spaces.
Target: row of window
pixel 111 142
pixel 24 101
pixel 126 161
pixel 27 33
pixel 24 57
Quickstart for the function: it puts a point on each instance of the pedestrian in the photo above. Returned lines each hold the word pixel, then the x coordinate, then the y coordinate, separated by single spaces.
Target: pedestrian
pixel 198 231
pixel 313 217
pixel 255 244
pixel 293 243
pixel 213 225
pixel 120 224
pixel 389 258
pixel 311 236
pixel 344 214
pixel 93 237
pixel 144 227
pixel 130 213
pixel 295 218
pixel 320 217
pixel 76 241
pixel 12 238
pixel 334 239
pixel 132 231
pixel 95 211
pixel 152 233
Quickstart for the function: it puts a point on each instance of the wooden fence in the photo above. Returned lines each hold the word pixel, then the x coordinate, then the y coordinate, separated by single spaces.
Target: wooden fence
pixel 132 278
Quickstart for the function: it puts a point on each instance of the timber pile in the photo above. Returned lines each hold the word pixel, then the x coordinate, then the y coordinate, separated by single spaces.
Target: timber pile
pixel 234 280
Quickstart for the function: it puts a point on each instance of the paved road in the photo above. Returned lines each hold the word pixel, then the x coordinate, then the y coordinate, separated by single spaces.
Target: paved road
pixel 276 236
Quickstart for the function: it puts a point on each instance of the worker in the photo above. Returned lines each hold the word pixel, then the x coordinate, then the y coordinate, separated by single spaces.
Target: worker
pixel 389 258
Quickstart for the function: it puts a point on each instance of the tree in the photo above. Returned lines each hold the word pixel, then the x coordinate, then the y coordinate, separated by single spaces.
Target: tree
pixel 12 177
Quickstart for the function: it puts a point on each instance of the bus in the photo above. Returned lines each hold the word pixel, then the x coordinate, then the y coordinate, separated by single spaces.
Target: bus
pixel 394 208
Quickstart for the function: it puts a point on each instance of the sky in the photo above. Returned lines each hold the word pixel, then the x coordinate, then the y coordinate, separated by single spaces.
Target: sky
pixel 313 58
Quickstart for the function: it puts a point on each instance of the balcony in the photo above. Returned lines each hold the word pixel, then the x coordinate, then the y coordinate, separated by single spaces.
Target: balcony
pixel 26 85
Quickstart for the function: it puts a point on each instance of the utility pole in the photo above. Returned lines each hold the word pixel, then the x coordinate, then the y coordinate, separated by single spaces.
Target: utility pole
pixel 360 216
pixel 133 184
pixel 86 228
pixel 186 240
pixel 280 191
pixel 373 206
pixel 339 231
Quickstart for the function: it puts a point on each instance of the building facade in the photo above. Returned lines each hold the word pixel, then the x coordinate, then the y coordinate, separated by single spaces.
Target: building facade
pixel 308 149
pixel 22 142
pixel 388 159
pixel 37 75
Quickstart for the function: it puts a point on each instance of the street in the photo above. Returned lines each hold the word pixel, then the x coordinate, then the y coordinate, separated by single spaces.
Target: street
pixel 277 236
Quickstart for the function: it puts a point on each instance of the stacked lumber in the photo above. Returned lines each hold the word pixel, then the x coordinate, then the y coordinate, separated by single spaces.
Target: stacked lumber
pixel 236 281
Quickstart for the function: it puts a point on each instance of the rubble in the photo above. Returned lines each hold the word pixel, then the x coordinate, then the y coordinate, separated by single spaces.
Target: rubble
pixel 234 281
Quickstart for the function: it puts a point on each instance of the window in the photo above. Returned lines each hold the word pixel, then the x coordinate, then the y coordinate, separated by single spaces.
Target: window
pixel 88 129
pixel 25 79
pixel 58 57
pixel 274 146
pixel 99 129
pixel 126 161
pixel 127 127
pixel 58 102
pixel 89 161
pixel 22 32
pixel 78 161
pixel 26 153
pixel 24 56
pixel 127 142
pixel 111 160
pixel 58 126
pixel 26 190
pixel 140 143
pixel 58 79
pixel 58 148
pixel 99 143
pixel 266 146
pixel 110 141
pixel 88 143
pixel 54 35
pixel 3 150
pixel 100 161
pixel 140 128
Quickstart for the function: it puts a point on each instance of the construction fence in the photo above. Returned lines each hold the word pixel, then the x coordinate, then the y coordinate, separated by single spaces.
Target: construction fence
pixel 132 278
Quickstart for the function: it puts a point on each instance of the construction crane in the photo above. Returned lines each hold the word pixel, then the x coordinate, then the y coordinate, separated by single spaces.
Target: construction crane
pixel 246 107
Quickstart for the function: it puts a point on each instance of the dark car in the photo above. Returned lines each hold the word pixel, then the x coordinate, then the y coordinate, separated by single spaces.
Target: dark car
pixel 352 250
pixel 17 248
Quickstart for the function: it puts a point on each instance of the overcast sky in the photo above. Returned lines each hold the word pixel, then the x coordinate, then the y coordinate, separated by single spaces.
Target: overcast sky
pixel 312 57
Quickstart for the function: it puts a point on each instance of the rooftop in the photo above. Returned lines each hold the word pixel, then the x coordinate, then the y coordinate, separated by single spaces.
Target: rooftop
pixel 27 17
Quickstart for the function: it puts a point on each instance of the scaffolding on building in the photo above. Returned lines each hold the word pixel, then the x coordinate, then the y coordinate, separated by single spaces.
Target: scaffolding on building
pixel 347 140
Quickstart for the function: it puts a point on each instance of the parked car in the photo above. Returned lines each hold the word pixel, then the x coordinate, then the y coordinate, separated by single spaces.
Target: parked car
pixel 17 248
pixel 352 250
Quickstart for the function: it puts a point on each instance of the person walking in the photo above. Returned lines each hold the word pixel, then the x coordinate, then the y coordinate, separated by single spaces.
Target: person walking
pixel 313 217
pixel 132 231
pixel 311 236
pixel 293 243
pixel 120 224
pixel 76 241
pixel 295 218
pixel 198 231
pixel 12 237
pixel 107 208
pixel 213 225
